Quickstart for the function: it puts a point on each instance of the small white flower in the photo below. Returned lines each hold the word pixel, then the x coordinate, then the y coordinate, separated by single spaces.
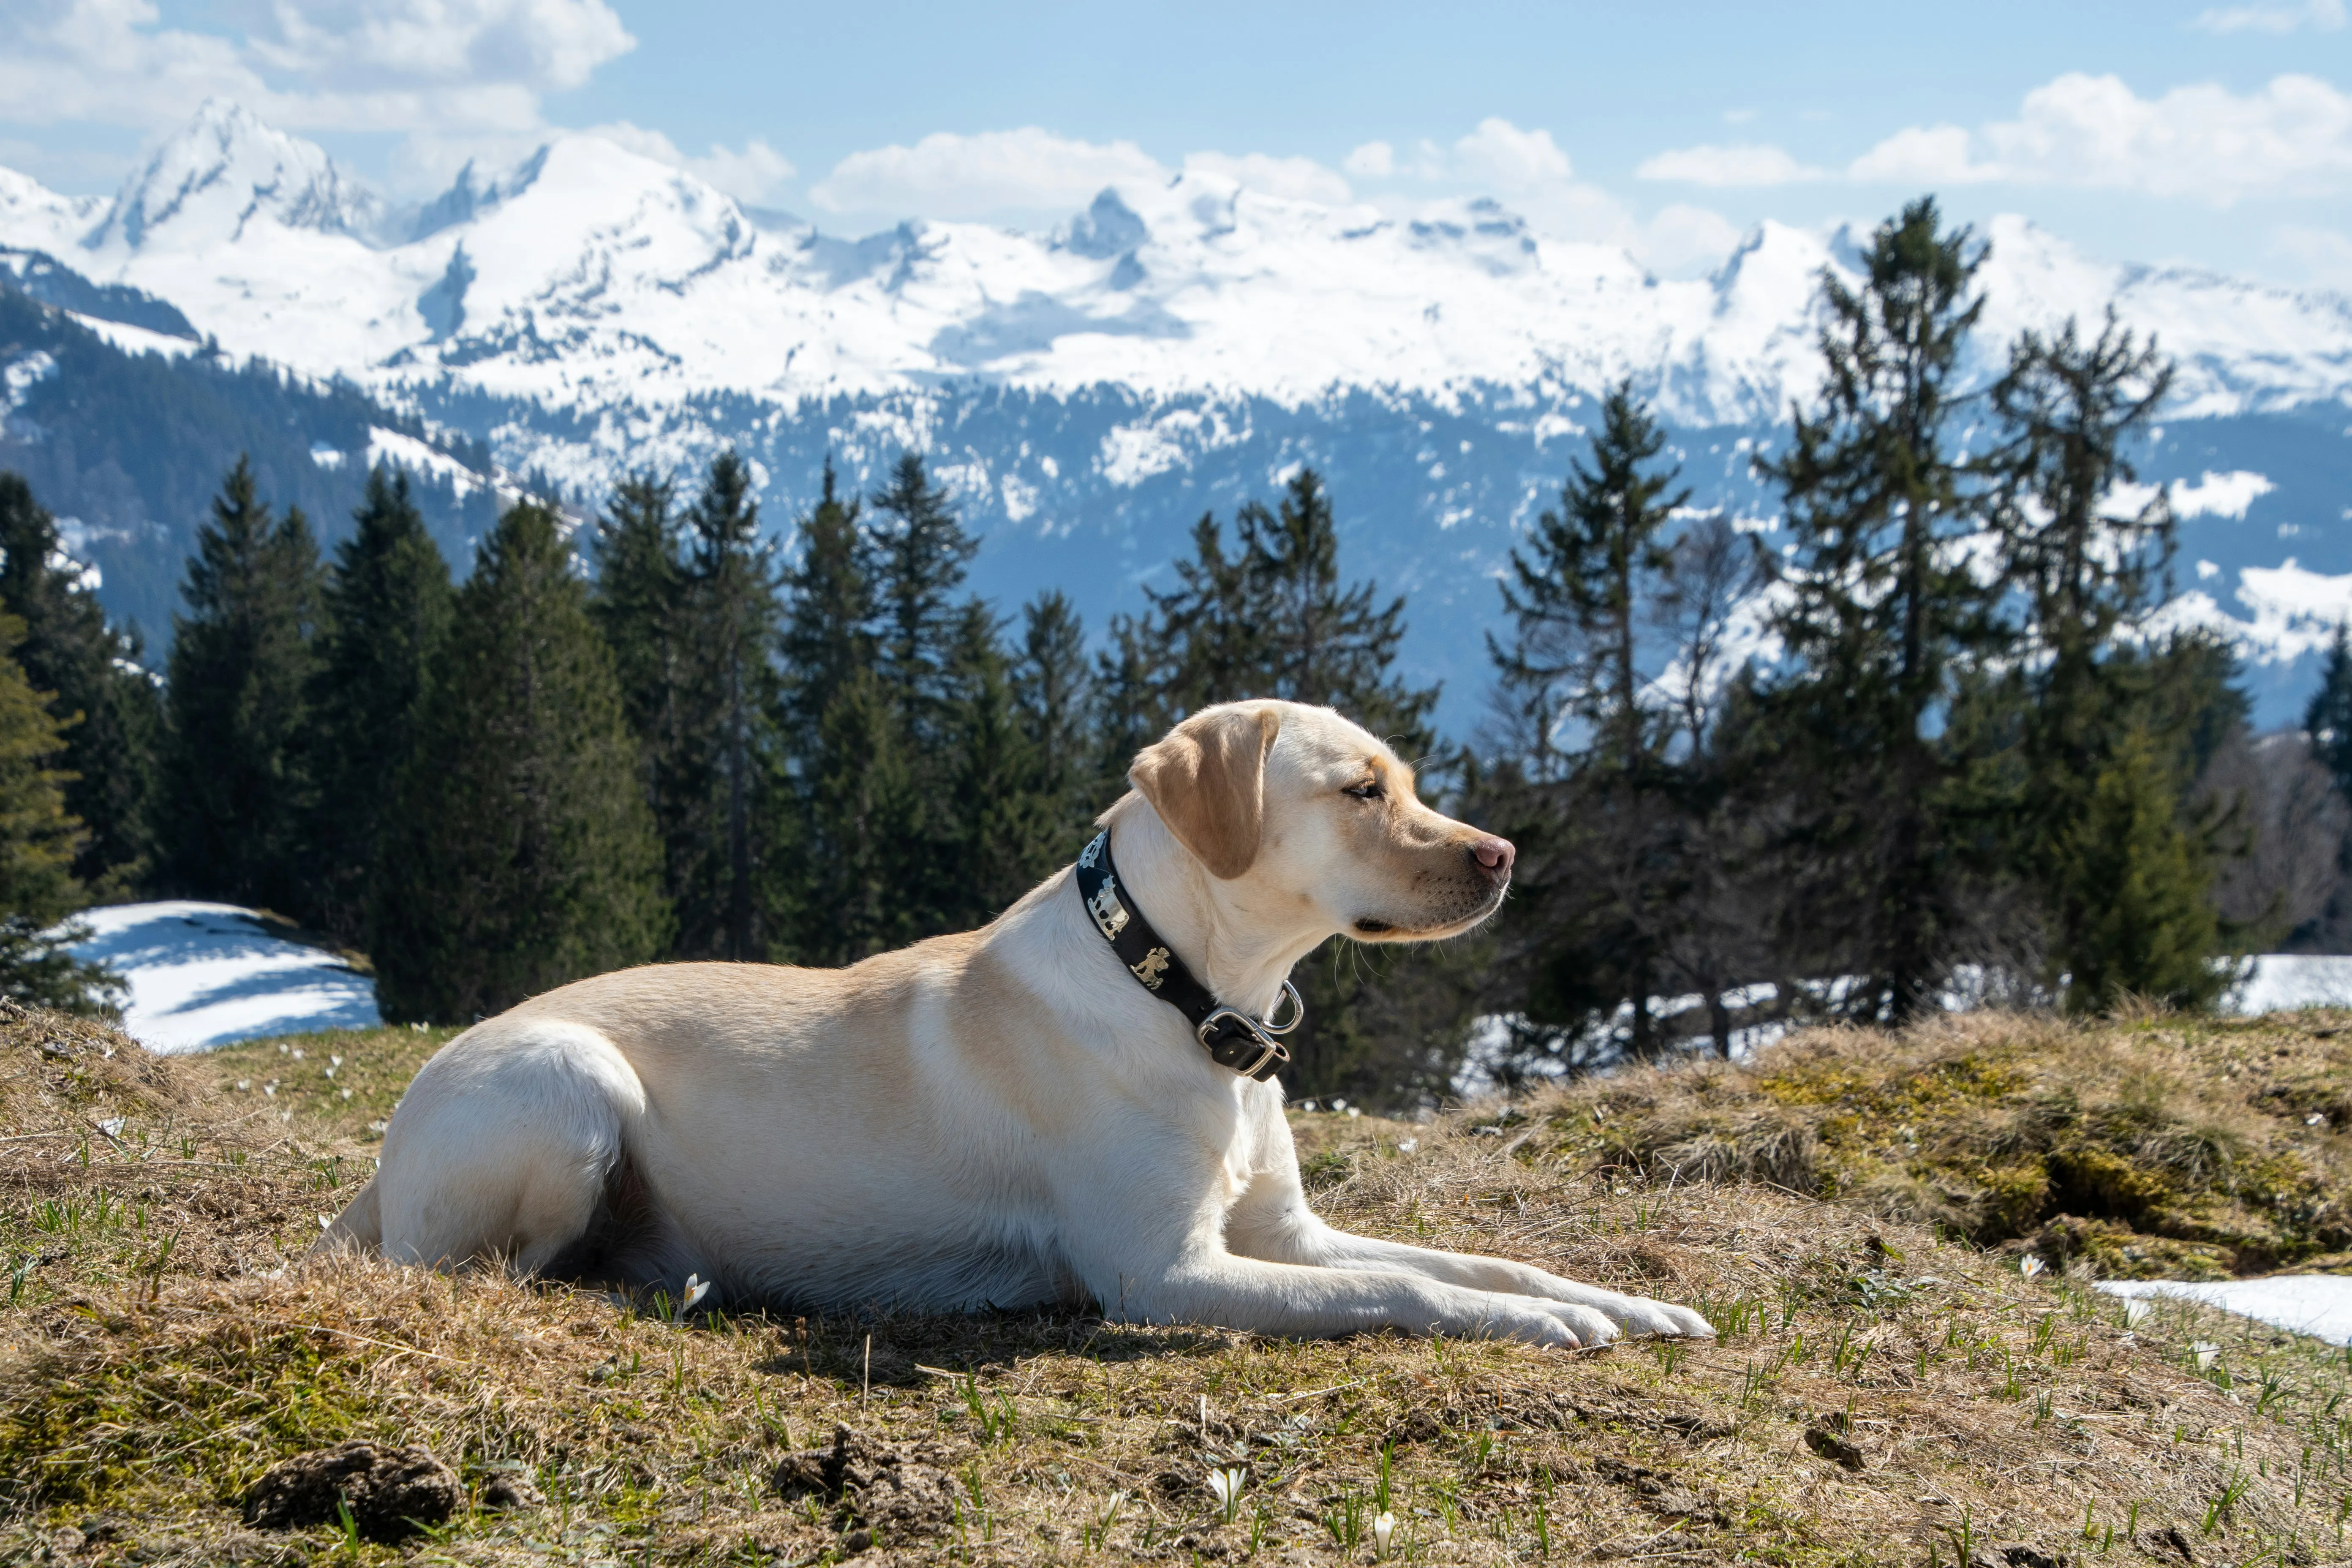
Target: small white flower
pixel 1308 1106
pixel 297 1053
pixel 1338 1104
pixel 696 1288
pixel 243 1084
pixel 347 1094
pixel 2031 1266
pixel 1352 1111
pixel 1227 1484
pixel 2135 1311
pixel 1383 1528
pixel 283 1049
pixel 335 1061
pixel 271 1090
pixel 326 1222
pixel 112 1126
pixel 330 1072
pixel 2207 1352
pixel 2316 1119
pixel 417 1028
pixel 1407 1145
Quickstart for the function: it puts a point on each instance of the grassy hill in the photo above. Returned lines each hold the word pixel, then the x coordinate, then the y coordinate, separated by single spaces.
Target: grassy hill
pixel 1885 1389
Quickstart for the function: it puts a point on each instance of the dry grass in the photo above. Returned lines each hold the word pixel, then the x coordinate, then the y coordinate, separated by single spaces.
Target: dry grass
pixel 2161 1147
pixel 156 1355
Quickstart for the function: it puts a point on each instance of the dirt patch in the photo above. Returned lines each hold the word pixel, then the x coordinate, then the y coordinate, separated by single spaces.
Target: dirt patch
pixel 389 1493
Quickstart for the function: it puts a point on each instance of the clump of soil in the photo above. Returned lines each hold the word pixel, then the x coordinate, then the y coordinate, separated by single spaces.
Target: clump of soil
pixel 392 1492
pixel 883 1491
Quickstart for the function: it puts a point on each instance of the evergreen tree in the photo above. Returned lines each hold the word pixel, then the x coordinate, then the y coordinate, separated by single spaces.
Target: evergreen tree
pixel 830 608
pixel 236 797
pixel 1055 690
pixel 2328 719
pixel 2147 926
pixel 721 830
pixel 1272 618
pixel 2084 574
pixel 387 601
pixel 112 715
pixel 523 854
pixel 640 578
pixel 38 842
pixel 1881 608
pixel 864 808
pixel 922 552
pixel 1598 863
pixel 999 839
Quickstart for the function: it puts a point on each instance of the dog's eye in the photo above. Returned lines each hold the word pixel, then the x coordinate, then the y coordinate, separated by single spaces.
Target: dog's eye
pixel 1368 790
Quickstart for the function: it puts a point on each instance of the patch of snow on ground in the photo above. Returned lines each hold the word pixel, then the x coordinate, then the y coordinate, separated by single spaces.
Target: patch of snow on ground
pixel 2319 1305
pixel 200 975
pixel 2283 981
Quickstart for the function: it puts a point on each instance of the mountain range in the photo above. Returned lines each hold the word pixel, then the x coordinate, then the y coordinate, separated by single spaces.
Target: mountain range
pixel 1088 392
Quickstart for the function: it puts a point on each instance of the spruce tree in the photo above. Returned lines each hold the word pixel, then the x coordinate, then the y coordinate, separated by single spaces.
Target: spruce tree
pixel 1599 832
pixel 2328 719
pixel 922 551
pixel 720 827
pixel 1882 609
pixel 523 854
pixel 108 705
pixel 388 603
pixel 1054 690
pixel 234 791
pixel 636 604
pixel 38 842
pixel 864 809
pixel 2147 926
pixel 1272 617
pixel 1000 840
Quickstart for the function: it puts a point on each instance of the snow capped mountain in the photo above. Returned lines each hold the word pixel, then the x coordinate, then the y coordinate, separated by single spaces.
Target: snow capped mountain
pixel 591 277
pixel 1089 390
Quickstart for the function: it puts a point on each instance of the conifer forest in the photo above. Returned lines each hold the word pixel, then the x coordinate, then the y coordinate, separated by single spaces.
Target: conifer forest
pixel 1934 744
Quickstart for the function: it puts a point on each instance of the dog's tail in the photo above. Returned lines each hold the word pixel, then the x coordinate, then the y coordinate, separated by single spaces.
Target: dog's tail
pixel 358 1229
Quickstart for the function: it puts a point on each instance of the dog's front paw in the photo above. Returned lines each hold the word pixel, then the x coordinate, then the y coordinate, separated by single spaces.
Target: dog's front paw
pixel 1641 1315
pixel 1560 1325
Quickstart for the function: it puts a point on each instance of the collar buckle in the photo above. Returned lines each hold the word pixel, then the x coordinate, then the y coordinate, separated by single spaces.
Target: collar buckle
pixel 1222 1033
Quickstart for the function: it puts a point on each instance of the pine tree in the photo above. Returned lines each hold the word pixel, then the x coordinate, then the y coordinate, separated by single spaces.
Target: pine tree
pixel 830 610
pixel 388 603
pixel 1054 690
pixel 2149 927
pixel 38 842
pixel 2084 574
pixel 639 581
pixel 233 786
pixel 922 552
pixel 864 805
pixel 108 706
pixel 720 832
pixel 1881 608
pixel 523 854
pixel 1000 841
pixel 1585 599
pixel 1271 618
pixel 2328 719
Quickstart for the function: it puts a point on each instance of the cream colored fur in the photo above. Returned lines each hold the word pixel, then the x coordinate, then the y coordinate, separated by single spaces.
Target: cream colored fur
pixel 1004 1116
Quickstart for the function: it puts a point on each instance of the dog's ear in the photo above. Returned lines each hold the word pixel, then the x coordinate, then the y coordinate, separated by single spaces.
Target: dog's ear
pixel 1207 781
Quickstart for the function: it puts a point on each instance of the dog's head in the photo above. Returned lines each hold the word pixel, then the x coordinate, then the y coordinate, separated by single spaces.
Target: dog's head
pixel 1299 809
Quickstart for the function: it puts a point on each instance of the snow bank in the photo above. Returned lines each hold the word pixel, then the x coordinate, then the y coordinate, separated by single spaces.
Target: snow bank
pixel 2282 982
pixel 202 976
pixel 2319 1305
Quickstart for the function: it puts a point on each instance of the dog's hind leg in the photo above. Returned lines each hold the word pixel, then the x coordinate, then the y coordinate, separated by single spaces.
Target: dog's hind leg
pixel 502 1148
pixel 357 1229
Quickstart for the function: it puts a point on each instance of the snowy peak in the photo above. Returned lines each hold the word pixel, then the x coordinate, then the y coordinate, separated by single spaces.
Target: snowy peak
pixel 225 170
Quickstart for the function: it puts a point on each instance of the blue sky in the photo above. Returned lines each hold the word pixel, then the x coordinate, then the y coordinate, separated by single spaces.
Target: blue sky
pixel 2214 135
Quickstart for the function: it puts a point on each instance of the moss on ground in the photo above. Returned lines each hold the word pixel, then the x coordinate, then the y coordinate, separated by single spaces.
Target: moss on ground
pixel 1879 1393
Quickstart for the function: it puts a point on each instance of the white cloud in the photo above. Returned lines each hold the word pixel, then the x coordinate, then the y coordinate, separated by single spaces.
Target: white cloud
pixel 1744 164
pixel 1922 155
pixel 430 67
pixel 2291 138
pixel 1508 158
pixel 1300 179
pixel 751 173
pixel 1372 161
pixel 947 175
pixel 2322 15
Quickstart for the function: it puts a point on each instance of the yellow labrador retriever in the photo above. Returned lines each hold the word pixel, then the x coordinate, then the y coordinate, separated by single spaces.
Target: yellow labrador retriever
pixel 1075 1103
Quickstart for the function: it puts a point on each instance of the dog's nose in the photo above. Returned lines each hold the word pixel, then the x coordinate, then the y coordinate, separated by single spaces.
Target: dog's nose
pixel 1494 855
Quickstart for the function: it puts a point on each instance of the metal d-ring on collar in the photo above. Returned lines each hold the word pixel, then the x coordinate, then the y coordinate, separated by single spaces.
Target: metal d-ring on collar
pixel 1231 1036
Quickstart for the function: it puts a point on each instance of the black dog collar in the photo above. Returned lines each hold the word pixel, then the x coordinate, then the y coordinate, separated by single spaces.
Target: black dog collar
pixel 1232 1039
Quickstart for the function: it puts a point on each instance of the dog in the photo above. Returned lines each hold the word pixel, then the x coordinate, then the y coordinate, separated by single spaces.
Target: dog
pixel 1077 1102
